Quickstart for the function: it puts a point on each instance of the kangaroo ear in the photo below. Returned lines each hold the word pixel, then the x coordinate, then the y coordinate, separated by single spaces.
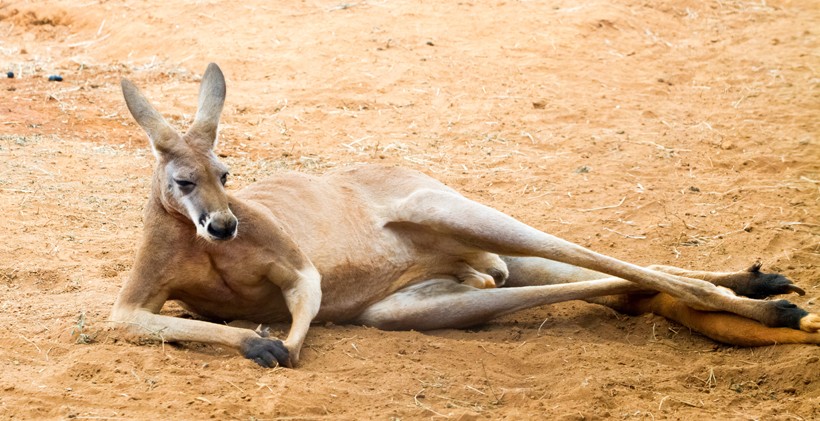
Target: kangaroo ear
pixel 211 100
pixel 160 133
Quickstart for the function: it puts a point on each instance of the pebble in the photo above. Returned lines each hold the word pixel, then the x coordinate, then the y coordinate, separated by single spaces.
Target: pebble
pixel 55 78
pixel 10 75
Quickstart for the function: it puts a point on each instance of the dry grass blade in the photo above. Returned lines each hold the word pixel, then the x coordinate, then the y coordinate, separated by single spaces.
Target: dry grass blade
pixel 604 207
pixel 637 237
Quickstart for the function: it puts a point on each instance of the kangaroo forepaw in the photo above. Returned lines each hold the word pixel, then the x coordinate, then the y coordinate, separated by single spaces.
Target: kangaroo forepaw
pixel 266 352
pixel 753 283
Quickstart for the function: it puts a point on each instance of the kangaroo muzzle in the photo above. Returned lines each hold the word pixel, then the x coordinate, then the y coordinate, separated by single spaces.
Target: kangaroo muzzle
pixel 220 225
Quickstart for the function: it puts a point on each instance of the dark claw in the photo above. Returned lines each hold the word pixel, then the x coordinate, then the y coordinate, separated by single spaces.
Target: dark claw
pixel 755 267
pixel 266 352
pixel 795 289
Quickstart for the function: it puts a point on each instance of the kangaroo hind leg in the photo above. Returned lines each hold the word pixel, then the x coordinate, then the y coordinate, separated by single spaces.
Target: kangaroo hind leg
pixel 445 303
pixel 720 326
pixel 474 225
pixel 752 282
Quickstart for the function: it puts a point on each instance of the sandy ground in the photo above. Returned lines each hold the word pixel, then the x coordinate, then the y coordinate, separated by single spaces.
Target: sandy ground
pixel 675 132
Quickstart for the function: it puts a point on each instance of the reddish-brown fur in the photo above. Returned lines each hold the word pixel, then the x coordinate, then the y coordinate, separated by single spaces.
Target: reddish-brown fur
pixel 386 247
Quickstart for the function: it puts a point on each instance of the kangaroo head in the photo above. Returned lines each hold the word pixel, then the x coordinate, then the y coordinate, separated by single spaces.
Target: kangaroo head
pixel 189 179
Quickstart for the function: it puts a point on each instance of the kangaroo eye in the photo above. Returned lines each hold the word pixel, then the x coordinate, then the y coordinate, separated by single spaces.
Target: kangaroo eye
pixel 224 178
pixel 184 184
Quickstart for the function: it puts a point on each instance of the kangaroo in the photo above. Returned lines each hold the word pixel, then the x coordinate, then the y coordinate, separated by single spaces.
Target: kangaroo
pixel 385 247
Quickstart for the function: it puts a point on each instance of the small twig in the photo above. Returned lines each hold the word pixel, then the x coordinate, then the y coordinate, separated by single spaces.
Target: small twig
pixel 786 224
pixel 737 103
pixel 355 357
pixel 421 405
pixel 31 342
pixel 490 384
pixel 711 381
pixel 234 385
pixel 687 403
pixel 662 401
pixel 661 147
pixel 416 397
pixel 603 207
pixel 685 224
pixel 474 390
pixel 744 229
pixel 637 237
pixel 538 332
pixel 343 6
pixel 752 188
pixel 485 350
pixel 344 339
pixel 261 385
pixel 89 42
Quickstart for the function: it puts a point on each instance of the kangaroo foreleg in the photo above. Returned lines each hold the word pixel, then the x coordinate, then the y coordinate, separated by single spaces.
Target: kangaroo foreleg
pixel 303 298
pixel 139 322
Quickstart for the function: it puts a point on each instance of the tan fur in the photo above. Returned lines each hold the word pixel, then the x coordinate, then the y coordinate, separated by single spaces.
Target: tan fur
pixel 388 247
pixel 721 326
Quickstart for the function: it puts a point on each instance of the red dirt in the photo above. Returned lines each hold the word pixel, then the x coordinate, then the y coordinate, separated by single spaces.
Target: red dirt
pixel 697 119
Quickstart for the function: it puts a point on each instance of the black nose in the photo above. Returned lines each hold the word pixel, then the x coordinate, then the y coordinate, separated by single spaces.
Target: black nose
pixel 222 228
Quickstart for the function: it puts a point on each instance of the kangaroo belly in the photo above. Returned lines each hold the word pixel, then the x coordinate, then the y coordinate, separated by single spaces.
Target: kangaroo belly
pixel 217 300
